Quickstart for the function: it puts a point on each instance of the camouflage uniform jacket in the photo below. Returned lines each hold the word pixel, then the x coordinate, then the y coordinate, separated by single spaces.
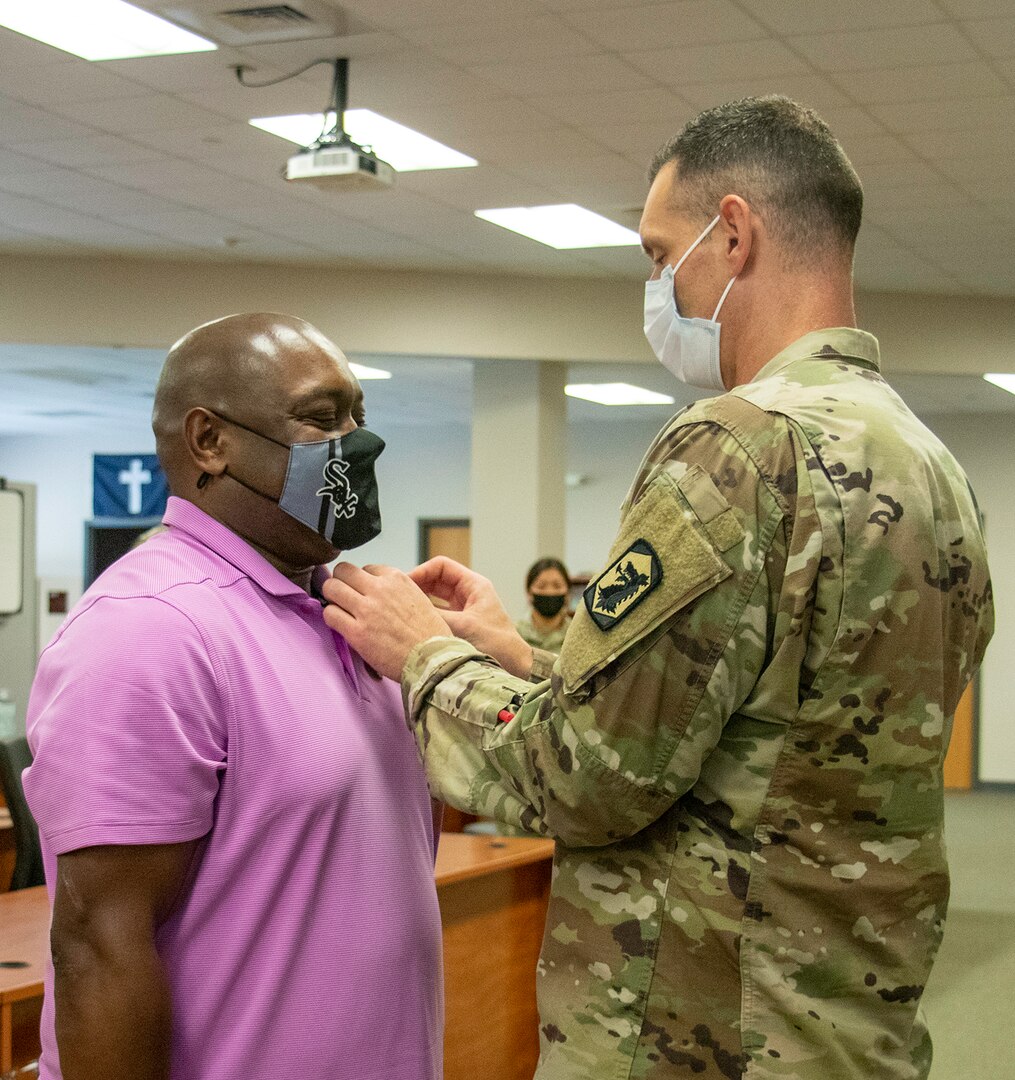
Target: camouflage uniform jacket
pixel 550 641
pixel 739 750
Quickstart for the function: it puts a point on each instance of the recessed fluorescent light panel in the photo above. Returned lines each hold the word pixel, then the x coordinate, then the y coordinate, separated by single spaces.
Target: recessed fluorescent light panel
pixel 562 227
pixel 402 148
pixel 361 371
pixel 99 29
pixel 1006 382
pixel 616 393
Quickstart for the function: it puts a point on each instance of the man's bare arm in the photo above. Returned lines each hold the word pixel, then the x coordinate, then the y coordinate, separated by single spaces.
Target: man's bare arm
pixel 113 1015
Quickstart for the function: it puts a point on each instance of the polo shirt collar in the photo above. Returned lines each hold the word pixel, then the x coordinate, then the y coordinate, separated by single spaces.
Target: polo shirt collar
pixel 837 343
pixel 219 538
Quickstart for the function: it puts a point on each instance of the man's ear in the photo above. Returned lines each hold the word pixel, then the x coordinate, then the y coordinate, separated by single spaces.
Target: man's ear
pixel 738 224
pixel 203 433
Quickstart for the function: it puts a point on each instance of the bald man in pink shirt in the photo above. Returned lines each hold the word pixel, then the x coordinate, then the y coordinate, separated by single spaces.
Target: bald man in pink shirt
pixel 236 828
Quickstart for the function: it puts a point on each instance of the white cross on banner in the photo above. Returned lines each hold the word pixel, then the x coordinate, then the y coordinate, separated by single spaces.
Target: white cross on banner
pixel 128 485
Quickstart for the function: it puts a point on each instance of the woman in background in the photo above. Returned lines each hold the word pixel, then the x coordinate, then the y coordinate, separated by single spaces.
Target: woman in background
pixel 546 584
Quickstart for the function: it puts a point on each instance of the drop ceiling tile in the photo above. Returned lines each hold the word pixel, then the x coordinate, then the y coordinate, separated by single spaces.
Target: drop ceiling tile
pixel 77 81
pixel 882 263
pixel 617 108
pixel 606 180
pixel 542 39
pixel 976 9
pixel 964 257
pixel 350 239
pixel 996 37
pixel 466 117
pixel 979 114
pixel 674 23
pixel 814 91
pixel 85 194
pixel 193 227
pixel 288 56
pixel 880 203
pixel 391 81
pixel 221 147
pixel 91 150
pixel 12 164
pixel 939 230
pixel 194 184
pixel 963 142
pixel 878 149
pixel 549 146
pixel 126 116
pixel 713 63
pixel 869 50
pixel 853 124
pixel 21 123
pixel 241 103
pixel 824 16
pixel 397 13
pixel 185 73
pixel 589 5
pixel 474 189
pixel 987 179
pixel 904 173
pixel 20 51
pixel 573 74
pixel 932 82
pixel 639 141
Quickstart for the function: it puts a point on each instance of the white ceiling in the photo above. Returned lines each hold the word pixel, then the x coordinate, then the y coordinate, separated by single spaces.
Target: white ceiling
pixel 48 389
pixel 560 100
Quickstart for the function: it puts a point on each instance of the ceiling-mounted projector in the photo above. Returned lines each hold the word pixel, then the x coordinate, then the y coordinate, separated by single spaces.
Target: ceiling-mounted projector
pixel 333 161
pixel 345 167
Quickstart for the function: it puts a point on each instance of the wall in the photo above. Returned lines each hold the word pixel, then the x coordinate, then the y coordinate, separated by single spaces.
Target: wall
pixel 606 455
pixel 116 301
pixel 985 447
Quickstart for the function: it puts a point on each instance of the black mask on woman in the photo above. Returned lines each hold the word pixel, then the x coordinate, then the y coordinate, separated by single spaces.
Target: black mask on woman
pixel 548 604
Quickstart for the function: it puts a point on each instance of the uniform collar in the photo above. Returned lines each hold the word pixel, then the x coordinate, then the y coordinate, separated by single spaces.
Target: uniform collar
pixel 212 534
pixel 837 343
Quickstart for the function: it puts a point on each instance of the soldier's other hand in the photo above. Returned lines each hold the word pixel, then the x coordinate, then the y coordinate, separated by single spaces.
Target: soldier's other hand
pixel 475 612
pixel 381 613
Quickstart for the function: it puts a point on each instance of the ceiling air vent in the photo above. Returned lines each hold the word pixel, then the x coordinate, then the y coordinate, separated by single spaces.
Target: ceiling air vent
pixel 274 15
pixel 264 24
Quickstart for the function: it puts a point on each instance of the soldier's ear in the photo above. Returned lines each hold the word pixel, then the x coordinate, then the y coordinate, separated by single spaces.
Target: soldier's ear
pixel 204 434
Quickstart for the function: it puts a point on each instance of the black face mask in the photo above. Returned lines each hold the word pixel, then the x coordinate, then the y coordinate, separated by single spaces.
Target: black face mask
pixel 330 485
pixel 548 604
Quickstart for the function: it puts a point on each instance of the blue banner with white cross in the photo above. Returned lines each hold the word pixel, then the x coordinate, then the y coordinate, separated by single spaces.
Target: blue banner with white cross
pixel 128 485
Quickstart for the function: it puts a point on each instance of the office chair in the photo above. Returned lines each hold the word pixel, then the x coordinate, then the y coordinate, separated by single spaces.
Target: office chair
pixel 15 757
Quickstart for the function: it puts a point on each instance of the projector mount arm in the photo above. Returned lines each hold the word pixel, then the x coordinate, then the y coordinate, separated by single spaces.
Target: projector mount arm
pixel 335 134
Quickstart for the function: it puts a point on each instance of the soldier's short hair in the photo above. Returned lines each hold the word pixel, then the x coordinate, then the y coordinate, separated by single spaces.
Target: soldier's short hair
pixel 779 156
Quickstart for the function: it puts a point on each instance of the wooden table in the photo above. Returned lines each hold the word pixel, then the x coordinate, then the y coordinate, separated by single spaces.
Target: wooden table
pixel 493 893
pixel 8 853
pixel 24 940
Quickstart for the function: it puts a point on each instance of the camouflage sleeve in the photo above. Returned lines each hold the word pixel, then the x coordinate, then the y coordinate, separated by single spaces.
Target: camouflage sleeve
pixel 542 665
pixel 669 641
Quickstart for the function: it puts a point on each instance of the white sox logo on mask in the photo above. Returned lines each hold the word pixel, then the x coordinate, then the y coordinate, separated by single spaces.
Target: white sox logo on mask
pixel 337 489
pixel 345 510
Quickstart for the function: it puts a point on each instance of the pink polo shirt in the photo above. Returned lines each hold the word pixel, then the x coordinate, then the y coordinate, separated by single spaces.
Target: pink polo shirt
pixel 195 692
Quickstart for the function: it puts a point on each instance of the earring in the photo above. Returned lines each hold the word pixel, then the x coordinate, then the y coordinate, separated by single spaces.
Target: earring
pixel 202 480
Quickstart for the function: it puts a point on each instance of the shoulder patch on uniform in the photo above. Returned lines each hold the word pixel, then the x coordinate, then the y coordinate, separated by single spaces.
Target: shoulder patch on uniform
pixel 623 586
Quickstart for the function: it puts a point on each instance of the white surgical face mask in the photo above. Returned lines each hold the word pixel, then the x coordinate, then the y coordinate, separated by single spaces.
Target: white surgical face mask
pixel 689 348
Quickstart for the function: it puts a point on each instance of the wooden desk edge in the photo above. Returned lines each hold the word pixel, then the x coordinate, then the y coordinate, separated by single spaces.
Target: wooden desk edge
pixel 468 856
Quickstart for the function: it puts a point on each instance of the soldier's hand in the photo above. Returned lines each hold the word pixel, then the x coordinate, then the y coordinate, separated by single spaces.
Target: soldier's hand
pixel 475 612
pixel 381 613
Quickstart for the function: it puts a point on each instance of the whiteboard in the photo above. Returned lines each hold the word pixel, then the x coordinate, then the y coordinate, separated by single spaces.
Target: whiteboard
pixel 12 550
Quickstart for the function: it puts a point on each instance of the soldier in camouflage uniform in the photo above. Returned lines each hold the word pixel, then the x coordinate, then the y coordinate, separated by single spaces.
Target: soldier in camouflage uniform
pixel 739 750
